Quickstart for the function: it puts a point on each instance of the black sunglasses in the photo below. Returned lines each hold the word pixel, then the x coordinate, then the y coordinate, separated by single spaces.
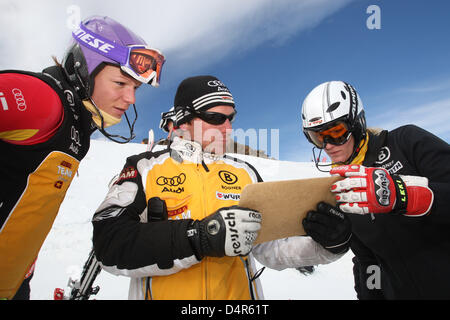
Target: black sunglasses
pixel 215 118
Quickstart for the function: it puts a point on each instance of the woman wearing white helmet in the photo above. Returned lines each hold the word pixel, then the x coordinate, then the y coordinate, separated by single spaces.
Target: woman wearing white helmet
pixel 395 189
pixel 332 115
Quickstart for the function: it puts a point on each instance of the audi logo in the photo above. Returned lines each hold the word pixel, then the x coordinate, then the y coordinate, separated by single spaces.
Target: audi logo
pixel 215 83
pixel 173 182
pixel 20 100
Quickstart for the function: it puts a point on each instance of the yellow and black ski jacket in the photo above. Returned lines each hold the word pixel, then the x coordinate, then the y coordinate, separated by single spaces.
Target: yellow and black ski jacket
pixel 157 255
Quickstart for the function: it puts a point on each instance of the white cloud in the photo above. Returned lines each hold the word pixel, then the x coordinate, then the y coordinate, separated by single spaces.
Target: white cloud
pixel 429 87
pixel 433 116
pixel 195 31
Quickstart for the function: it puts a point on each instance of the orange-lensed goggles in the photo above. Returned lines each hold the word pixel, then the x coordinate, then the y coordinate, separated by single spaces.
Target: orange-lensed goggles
pixel 337 134
pixel 144 64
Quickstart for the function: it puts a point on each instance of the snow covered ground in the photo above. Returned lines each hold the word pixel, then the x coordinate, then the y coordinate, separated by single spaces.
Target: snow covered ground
pixel 69 242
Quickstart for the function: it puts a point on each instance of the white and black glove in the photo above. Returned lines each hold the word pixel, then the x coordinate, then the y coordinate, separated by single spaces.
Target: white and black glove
pixel 230 231
pixel 329 227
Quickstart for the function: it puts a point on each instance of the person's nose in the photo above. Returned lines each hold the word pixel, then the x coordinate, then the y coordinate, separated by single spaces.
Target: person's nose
pixel 129 95
pixel 227 124
pixel 328 146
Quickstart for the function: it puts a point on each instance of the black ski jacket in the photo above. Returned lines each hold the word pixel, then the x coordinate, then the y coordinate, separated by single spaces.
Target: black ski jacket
pixel 399 257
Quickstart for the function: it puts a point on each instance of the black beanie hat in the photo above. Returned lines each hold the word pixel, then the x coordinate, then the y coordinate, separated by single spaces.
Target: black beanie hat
pixel 200 93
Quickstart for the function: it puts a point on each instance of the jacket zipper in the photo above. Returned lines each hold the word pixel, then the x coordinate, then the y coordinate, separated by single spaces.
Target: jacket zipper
pixel 148 288
pixel 200 175
pixel 249 277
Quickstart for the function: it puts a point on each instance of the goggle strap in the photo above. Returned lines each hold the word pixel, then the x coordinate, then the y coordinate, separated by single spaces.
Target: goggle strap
pixel 100 45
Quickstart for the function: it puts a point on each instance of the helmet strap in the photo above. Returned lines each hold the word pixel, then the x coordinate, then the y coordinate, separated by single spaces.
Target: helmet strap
pixel 115 137
pixel 316 160
pixel 355 152
pixel 76 78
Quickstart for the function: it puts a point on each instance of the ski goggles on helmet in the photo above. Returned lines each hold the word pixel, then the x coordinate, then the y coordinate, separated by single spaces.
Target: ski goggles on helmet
pixel 144 64
pixel 337 134
pixel 215 118
pixel 139 61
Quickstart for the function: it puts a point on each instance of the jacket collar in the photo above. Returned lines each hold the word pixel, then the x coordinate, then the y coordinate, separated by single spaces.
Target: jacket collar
pixel 191 151
pixel 377 141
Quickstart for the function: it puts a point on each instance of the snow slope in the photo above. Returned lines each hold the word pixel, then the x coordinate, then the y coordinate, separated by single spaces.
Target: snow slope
pixel 69 242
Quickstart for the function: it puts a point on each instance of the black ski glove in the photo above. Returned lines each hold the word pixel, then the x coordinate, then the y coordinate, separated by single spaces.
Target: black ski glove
pixel 330 227
pixel 229 231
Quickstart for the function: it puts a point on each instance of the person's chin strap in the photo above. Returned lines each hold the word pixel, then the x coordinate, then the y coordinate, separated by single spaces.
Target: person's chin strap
pixel 103 120
pixel 97 115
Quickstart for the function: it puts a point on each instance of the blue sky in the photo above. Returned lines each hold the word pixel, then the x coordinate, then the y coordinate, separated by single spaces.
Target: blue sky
pixel 272 53
pixel 401 71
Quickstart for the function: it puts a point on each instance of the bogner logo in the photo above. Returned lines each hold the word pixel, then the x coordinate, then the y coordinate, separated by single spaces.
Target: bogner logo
pixel 228 177
pixel 172 184
pixel 383 155
pixel 69 97
pixel 382 191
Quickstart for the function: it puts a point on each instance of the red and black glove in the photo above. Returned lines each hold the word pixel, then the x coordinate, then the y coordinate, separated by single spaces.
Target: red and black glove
pixel 374 190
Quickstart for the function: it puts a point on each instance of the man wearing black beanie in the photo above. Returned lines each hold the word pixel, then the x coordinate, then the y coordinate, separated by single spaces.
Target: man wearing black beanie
pixel 200 93
pixel 196 243
pixel 202 106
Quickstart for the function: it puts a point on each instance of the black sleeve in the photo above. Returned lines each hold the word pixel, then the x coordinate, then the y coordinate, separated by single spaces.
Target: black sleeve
pixel 430 156
pixel 361 262
pixel 255 171
pixel 125 245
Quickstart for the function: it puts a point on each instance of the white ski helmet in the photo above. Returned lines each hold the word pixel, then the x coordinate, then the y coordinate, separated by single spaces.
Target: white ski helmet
pixel 329 104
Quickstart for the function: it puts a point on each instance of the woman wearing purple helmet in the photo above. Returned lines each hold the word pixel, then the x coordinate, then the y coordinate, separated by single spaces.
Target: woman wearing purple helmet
pixel 45 127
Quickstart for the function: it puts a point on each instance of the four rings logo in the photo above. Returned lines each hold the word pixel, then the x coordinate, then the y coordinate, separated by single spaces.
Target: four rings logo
pixel 172 182
pixel 215 83
pixel 218 84
pixel 168 183
pixel 20 100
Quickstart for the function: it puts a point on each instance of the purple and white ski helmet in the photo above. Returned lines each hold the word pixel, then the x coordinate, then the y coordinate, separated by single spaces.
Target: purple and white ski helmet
pixel 82 64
